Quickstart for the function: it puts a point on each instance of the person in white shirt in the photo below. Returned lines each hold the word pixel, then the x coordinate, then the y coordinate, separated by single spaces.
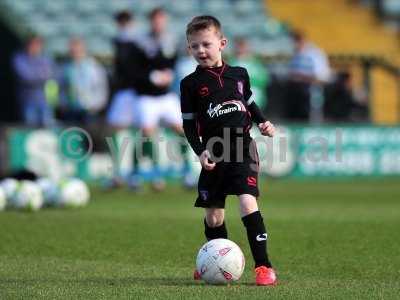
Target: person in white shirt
pixel 308 68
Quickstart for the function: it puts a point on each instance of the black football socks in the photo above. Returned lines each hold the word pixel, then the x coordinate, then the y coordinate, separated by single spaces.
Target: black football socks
pixel 219 232
pixel 257 236
pixel 149 150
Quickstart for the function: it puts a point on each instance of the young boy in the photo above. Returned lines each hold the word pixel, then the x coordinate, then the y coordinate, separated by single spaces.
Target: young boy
pixel 217 106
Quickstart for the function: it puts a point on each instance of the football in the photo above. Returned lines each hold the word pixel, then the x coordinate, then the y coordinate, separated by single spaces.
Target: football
pixel 73 192
pixel 49 190
pixel 28 196
pixel 220 261
pixel 3 200
pixel 9 186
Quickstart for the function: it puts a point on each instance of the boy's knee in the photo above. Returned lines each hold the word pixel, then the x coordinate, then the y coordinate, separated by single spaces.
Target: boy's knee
pixel 214 228
pixel 248 204
pixel 214 218
pixel 214 222
pixel 245 211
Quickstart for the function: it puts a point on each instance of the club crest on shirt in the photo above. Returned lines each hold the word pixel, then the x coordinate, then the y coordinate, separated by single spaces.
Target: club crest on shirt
pixel 240 86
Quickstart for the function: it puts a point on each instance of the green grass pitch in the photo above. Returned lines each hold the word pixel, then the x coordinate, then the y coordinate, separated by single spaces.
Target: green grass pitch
pixel 327 239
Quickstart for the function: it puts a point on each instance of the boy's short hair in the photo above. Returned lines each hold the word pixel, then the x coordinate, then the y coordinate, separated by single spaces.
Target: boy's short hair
pixel 203 22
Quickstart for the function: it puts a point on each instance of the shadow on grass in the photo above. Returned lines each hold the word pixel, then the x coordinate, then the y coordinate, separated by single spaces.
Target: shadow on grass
pixel 128 281
pixel 135 281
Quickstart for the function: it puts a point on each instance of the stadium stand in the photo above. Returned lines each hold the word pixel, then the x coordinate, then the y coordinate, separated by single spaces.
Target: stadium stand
pixel 92 20
pixel 262 23
pixel 348 21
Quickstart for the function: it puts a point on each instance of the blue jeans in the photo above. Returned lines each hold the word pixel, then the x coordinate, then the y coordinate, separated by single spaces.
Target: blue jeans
pixel 37 113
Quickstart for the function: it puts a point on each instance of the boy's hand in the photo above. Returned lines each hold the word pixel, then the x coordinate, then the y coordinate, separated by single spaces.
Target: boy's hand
pixel 205 162
pixel 267 128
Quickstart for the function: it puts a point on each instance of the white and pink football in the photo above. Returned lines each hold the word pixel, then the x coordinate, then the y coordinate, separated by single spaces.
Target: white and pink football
pixel 220 261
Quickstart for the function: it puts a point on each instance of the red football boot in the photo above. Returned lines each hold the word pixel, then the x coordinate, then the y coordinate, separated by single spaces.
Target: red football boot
pixel 196 275
pixel 265 276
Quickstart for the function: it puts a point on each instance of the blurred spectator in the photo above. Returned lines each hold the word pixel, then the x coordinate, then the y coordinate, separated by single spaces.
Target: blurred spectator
pixel 33 69
pixel 259 76
pixel 128 58
pixel 84 86
pixel 185 65
pixel 157 103
pixel 308 68
pixel 342 102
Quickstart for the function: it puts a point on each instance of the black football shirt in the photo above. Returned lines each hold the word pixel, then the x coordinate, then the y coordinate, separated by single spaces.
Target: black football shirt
pixel 217 99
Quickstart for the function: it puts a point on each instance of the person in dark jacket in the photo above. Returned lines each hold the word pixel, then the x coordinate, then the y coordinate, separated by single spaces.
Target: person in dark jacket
pixel 157 104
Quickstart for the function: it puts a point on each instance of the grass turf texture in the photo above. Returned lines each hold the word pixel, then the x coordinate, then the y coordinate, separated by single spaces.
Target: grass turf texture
pixel 328 240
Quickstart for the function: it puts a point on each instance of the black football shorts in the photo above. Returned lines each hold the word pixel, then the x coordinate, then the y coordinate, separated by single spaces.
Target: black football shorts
pixel 228 178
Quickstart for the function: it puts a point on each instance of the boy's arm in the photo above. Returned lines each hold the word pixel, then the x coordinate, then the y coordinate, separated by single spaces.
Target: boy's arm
pixel 189 119
pixel 190 129
pixel 266 127
pixel 256 115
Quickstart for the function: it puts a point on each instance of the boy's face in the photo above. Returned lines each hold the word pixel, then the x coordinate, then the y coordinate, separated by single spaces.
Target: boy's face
pixel 206 47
